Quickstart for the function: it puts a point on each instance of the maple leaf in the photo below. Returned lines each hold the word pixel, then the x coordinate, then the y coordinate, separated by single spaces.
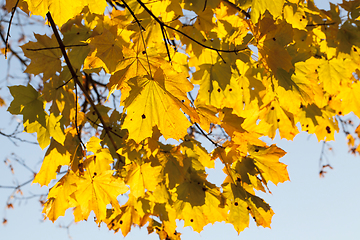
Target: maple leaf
pixel 97 189
pixel 43 61
pixel 260 6
pixel 267 160
pixel 56 156
pixel 108 47
pixel 28 102
pixel 141 177
pixel 64 10
pixel 151 103
pixel 258 67
pixel 60 197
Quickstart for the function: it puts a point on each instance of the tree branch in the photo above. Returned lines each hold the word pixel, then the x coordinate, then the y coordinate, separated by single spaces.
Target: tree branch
pixel 77 81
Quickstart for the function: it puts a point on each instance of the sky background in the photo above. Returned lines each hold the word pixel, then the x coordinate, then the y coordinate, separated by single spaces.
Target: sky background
pixel 307 207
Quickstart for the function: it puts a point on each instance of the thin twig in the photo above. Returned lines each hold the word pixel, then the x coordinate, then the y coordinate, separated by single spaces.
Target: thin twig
pixel 133 14
pixel 320 24
pixel 8 31
pixel 12 51
pixel 49 48
pixel 162 24
pixel 18 186
pixel 16 138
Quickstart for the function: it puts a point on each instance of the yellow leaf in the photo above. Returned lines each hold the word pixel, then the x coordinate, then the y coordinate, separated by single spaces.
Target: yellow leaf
pixel 61 10
pixel 350 99
pixel 46 61
pixel 141 177
pixel 108 47
pixel 56 156
pixel 28 102
pixel 60 197
pixel 156 102
pixel 335 72
pixel 295 15
pixel 267 160
pixel 260 6
pixel 97 189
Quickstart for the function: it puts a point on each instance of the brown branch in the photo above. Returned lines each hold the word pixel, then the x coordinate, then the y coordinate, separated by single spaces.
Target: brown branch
pixel 78 82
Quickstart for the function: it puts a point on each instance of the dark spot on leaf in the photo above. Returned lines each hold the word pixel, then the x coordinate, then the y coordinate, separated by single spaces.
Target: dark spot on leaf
pixel 113 224
pixel 208 90
pixel 256 150
pixel 121 222
pixel 93 113
pixel 95 174
pixel 307 125
pixel 218 90
pixel 143 116
pixel 191 220
pixel 238 179
pixel 77 33
pixel 328 129
pixel 204 189
pixel 254 219
pixel 303 17
pixel 242 88
pixel 198 183
pixel 300 19
pixel 354 49
pixel 272 108
pixel 278 120
pixel 183 101
pixel 274 38
pixel 340 112
pixel 236 203
pixel 330 98
pixel 230 89
pixel 301 106
pixel 143 52
pixel 248 208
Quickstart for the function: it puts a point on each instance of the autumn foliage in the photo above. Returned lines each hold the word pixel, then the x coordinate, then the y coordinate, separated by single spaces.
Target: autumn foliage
pixel 121 78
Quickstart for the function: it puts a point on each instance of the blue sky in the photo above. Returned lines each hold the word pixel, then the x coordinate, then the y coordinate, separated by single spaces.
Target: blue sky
pixel 307 207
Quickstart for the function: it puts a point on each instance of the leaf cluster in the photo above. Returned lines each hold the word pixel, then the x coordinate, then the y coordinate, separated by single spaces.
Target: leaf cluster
pixel 119 77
